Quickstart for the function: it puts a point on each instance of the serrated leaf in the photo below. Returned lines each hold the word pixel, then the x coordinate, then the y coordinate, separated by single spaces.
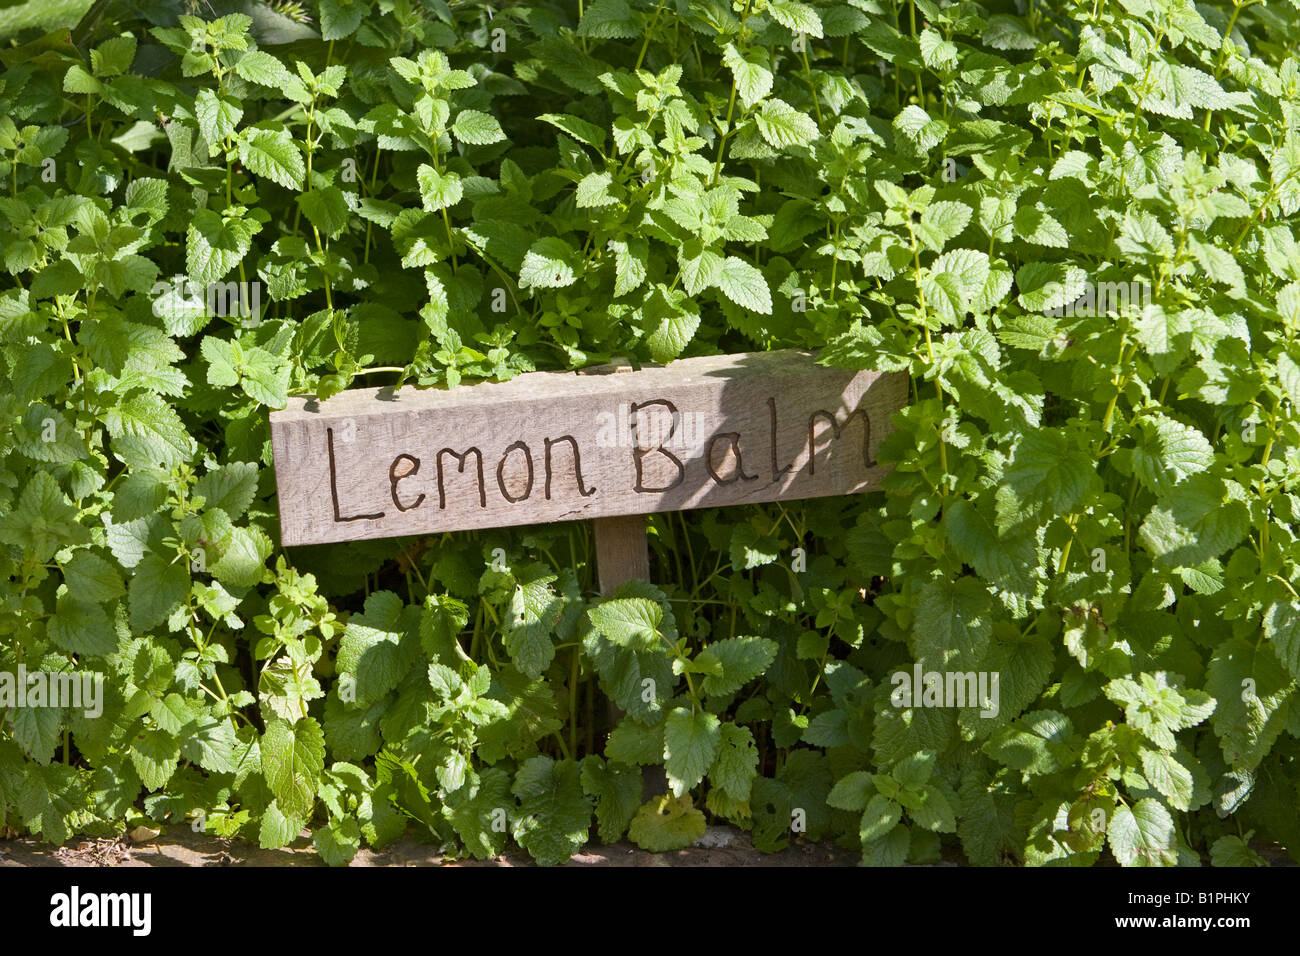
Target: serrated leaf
pixel 691 744
pixel 667 823
pixel 617 792
pixel 744 285
pixel 477 128
pixel 740 660
pixel 782 125
pixel 554 813
pixel 293 756
pixel 550 263
pixel 272 155
pixel 1143 835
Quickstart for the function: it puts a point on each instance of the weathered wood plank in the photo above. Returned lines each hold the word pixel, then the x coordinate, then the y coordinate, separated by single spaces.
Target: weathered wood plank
pixel 558 446
pixel 622 550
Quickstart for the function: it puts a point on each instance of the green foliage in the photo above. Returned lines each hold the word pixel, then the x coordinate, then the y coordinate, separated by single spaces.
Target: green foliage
pixel 1073 229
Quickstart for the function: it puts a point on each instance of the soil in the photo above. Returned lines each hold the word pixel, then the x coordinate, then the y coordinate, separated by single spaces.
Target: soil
pixel 179 846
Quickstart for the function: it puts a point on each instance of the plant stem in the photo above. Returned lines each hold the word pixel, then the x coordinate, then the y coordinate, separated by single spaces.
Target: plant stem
pixel 650 33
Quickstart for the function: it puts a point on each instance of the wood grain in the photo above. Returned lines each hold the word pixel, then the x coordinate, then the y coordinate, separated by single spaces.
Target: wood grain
pixel 622 550
pixel 559 446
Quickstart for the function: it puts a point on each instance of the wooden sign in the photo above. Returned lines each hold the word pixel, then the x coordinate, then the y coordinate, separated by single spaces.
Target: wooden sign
pixel 564 446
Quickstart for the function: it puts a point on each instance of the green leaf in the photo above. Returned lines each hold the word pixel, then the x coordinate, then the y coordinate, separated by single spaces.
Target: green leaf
pixel 338 841
pixel 1007 560
pixel 113 57
pixel 1157 709
pixel 578 128
pixel 753 80
pixel 1195 522
pixel 851 792
pixel 260 67
pixel 77 80
pixel 534 612
pixel 1282 628
pixel 744 285
pixel 375 648
pixel 987 824
pixel 628 622
pixel 92 578
pixel 230 487
pixel 550 263
pixel 1143 835
pixel 160 586
pixel 82 627
pixel 933 811
pixel 941 222
pixel 879 817
pixel 242 559
pixel 439 190
pixel 44 520
pixel 632 742
pixel 740 659
pixel 667 823
pixel 1033 744
pixel 293 756
pixel 554 813
pixel 211 743
pixel 326 209
pixel 796 17
pixel 1168 452
pixel 617 792
pixel 478 813
pixel 1169 777
pixel 609 20
pixel 670 324
pixel 339 19
pixel 782 125
pixel 736 764
pixel 353 733
pixel 277 830
pixel 631 255
pixel 691 743
pixel 1234 851
pixel 49 798
pixel 273 156
pixel 594 191
pixel 953 624
pixel 1253 694
pixel 217 115
pixel 1049 473
pixel 477 129
pixel 154 755
pixel 214 245
pixel 36 730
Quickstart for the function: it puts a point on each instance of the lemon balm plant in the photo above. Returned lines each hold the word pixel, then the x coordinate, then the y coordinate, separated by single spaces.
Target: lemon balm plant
pixel 1093 497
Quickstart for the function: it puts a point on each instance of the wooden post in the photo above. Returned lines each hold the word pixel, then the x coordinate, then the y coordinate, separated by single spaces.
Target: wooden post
pixel 622 551
pixel 623 554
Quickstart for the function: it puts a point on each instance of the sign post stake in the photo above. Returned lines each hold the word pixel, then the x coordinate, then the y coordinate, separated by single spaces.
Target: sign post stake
pixel 622 554
pixel 622 550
